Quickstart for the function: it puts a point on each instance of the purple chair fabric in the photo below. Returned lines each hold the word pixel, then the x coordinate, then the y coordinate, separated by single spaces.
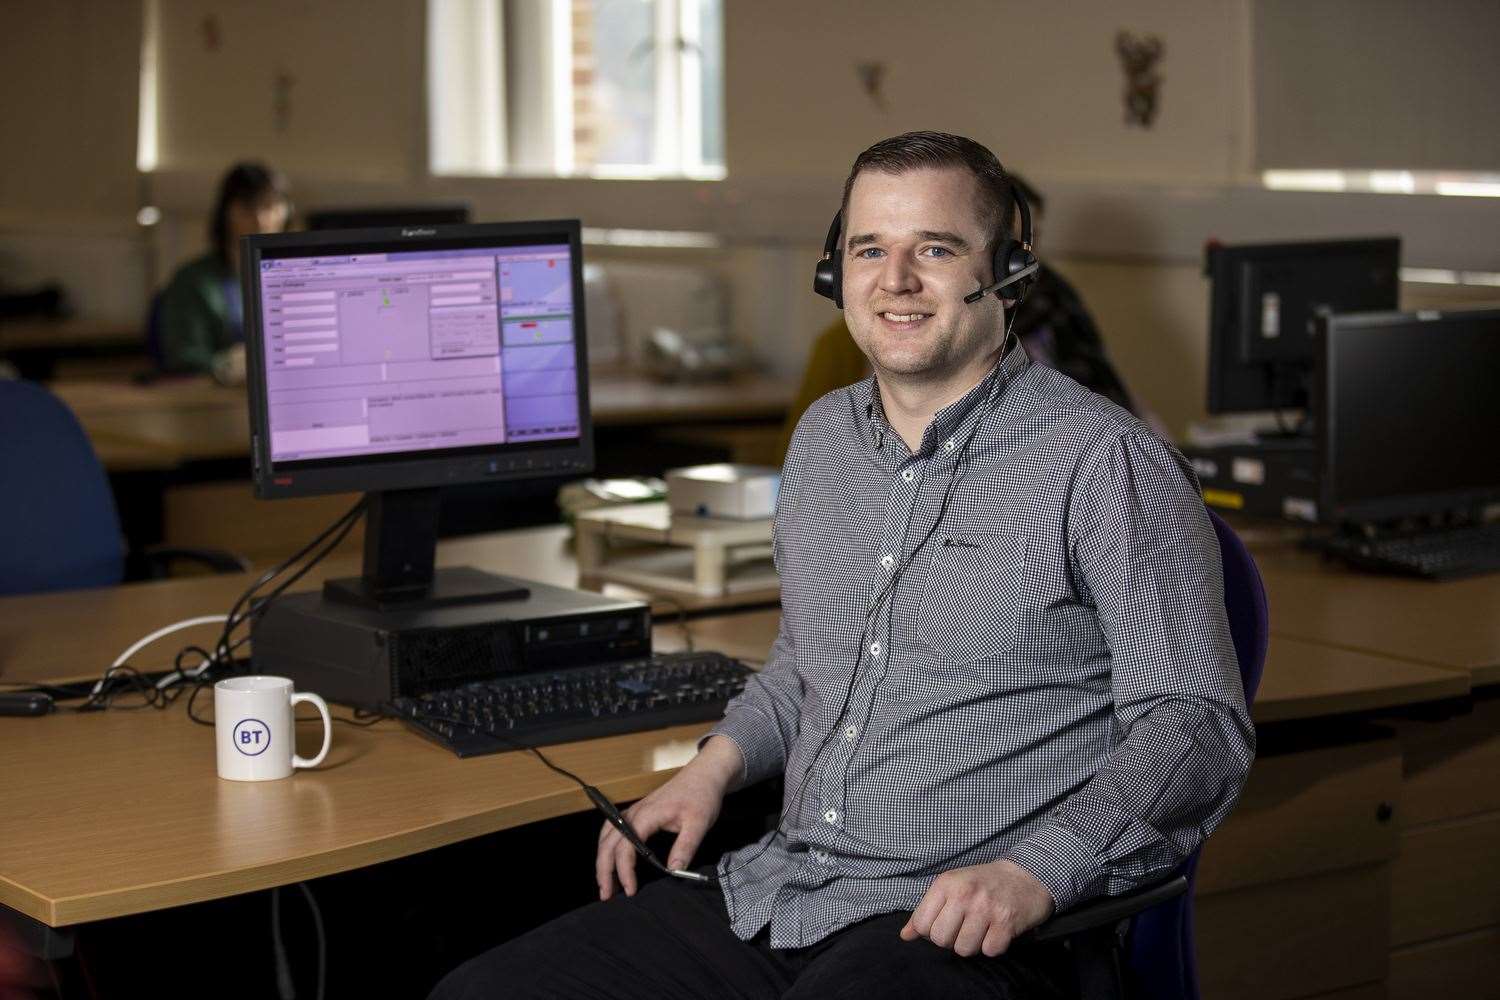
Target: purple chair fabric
pixel 1160 953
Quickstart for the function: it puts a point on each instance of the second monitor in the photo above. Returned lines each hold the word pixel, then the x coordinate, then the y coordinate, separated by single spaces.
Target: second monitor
pixel 1265 299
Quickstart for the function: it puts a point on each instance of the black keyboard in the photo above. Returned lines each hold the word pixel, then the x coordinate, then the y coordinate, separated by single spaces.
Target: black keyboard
pixel 577 703
pixel 1444 554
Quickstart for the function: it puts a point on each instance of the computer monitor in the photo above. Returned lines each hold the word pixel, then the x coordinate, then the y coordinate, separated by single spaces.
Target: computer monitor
pixel 383 216
pixel 1263 304
pixel 398 361
pixel 1408 413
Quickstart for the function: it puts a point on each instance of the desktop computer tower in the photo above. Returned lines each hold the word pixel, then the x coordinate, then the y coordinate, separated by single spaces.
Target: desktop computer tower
pixel 361 656
pixel 1273 478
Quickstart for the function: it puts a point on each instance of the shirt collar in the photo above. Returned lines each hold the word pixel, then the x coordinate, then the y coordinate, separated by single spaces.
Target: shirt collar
pixel 945 422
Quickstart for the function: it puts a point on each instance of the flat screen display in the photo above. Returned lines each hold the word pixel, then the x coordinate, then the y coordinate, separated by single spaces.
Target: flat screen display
pixel 405 351
pixel 1263 307
pixel 1411 412
pixel 416 357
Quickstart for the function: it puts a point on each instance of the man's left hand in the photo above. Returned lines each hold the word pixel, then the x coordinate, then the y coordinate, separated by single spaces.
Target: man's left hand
pixel 982 908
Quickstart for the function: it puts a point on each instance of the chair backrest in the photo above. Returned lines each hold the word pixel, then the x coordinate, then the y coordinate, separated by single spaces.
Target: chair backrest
pixel 58 525
pixel 1161 955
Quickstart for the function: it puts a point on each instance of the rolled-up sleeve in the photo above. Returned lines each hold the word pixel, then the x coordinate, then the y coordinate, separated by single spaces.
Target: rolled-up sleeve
pixel 1146 556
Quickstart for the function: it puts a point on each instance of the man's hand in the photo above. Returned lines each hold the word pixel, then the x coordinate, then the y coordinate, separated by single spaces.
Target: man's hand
pixel 983 908
pixel 687 805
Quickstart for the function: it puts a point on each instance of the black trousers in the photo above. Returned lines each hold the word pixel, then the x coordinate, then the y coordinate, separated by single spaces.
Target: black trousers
pixel 672 940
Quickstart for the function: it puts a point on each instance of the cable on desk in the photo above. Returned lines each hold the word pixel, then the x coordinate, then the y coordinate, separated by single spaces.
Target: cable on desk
pixel 96 696
pixel 682 619
pixel 246 607
pixel 164 691
pixel 339 528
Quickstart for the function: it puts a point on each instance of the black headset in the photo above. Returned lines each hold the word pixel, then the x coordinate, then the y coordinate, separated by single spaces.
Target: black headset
pixel 1015 265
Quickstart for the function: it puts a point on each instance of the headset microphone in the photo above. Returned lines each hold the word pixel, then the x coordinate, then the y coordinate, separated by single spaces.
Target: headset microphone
pixel 1021 275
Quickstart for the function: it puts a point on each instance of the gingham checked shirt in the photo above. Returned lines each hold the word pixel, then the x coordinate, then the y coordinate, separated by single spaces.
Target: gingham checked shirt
pixel 1050 679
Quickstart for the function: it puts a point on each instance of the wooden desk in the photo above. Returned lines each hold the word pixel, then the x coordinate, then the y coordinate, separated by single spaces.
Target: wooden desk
pixel 121 812
pixel 1356 887
pixel 161 425
pixel 69 335
pixel 1302 680
pixel 1451 624
pixel 384 793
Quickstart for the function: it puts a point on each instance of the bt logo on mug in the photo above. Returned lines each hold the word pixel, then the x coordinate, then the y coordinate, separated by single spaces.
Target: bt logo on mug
pixel 254 715
pixel 251 737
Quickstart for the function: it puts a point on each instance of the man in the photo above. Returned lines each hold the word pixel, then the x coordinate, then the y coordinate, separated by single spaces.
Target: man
pixel 1003 682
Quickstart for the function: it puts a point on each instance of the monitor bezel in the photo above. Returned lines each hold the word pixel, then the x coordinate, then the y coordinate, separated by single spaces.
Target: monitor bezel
pixel 435 214
pixel 1229 377
pixel 1330 330
pixel 410 470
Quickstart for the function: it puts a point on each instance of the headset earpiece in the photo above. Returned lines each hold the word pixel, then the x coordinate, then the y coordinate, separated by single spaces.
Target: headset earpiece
pixel 828 276
pixel 1014 256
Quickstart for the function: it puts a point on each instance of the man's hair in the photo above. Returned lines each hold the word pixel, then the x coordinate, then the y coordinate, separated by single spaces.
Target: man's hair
pixel 918 150
pixel 245 183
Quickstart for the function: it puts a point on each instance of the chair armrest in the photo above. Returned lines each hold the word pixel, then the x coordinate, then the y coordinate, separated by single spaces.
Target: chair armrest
pixel 158 560
pixel 1109 910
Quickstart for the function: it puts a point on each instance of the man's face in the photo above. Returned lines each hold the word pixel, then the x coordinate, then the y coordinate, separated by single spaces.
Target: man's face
pixel 915 244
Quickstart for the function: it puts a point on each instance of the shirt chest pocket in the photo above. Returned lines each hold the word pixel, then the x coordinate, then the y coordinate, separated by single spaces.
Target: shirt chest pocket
pixel 970 607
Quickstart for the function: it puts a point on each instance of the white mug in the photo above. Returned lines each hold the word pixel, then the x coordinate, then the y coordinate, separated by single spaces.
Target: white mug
pixel 254 729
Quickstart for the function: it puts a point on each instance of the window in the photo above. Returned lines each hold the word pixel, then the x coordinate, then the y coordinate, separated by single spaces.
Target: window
pixel 594 88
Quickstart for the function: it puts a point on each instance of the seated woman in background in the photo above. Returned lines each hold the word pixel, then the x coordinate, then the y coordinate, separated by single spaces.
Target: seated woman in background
pixel 198 322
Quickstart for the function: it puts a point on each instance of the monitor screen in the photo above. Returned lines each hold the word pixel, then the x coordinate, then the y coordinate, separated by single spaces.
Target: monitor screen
pixel 389 359
pixel 1264 302
pixel 1409 412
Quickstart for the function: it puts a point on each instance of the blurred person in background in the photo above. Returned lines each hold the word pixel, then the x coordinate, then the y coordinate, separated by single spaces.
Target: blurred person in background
pixel 198 320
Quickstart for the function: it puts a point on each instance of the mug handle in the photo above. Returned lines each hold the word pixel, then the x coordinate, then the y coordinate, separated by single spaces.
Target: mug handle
pixel 322 707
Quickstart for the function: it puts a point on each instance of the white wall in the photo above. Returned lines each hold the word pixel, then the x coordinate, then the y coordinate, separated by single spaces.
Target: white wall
pixel 1129 208
pixel 68 84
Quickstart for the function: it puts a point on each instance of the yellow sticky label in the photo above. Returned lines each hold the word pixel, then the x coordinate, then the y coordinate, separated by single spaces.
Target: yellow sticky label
pixel 1228 499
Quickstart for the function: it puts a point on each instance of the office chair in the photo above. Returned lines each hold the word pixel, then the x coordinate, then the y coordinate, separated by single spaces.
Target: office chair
pixel 1152 930
pixel 59 528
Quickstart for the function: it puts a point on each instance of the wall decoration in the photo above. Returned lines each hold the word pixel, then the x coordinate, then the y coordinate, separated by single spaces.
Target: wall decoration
pixel 1138 57
pixel 872 81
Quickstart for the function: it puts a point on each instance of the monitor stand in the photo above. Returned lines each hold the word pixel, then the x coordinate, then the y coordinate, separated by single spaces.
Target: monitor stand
pixel 399 561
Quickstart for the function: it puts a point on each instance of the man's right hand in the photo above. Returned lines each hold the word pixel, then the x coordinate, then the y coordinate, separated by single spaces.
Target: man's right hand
pixel 687 805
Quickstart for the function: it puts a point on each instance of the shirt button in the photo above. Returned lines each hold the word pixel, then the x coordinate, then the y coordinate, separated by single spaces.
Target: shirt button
pixel 887 561
pixel 908 475
pixel 831 816
pixel 949 444
pixel 851 732
pixel 874 649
